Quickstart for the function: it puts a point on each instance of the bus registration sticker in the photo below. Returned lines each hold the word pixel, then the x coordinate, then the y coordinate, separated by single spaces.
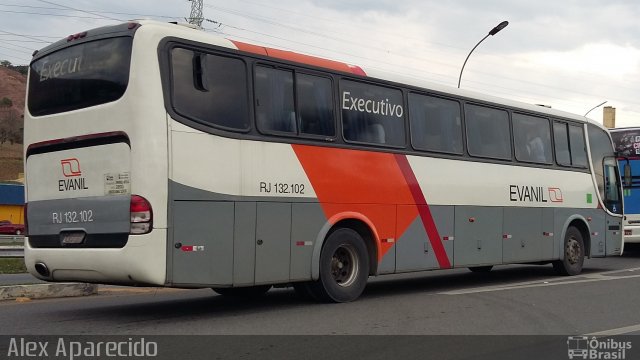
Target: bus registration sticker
pixel 117 183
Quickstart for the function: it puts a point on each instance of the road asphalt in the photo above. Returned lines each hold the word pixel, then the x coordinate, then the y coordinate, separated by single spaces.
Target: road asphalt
pixel 19 279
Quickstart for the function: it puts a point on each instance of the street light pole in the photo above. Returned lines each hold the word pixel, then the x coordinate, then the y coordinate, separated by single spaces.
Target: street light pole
pixel 493 31
pixel 595 107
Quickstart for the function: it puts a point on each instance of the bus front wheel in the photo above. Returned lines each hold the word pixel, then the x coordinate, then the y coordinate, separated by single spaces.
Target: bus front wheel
pixel 571 263
pixel 344 268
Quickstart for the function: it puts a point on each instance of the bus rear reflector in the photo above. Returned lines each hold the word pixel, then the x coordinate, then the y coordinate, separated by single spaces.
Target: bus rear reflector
pixel 25 220
pixel 141 215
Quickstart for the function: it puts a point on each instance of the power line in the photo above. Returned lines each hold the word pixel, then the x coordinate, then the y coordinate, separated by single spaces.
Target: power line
pixel 403 36
pixel 25 35
pixel 22 47
pixel 499 90
pixel 95 11
pixel 14 57
pixel 25 41
pixel 341 38
pixel 395 65
pixel 313 46
pixel 323 35
pixel 84 11
pixel 22 35
pixel 50 14
pixel 431 61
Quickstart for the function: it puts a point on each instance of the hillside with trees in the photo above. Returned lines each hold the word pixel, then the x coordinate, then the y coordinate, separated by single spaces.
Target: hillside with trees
pixel 13 84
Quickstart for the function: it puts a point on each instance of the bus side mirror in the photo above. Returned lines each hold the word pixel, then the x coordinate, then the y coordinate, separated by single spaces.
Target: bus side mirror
pixel 627 174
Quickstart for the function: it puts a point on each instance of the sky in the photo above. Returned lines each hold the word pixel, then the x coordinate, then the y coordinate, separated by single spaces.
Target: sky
pixel 571 55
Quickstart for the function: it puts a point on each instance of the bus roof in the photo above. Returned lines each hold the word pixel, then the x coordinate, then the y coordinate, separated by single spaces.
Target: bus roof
pixel 188 32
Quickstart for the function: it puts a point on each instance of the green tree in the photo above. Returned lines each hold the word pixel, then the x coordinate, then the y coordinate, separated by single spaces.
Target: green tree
pixel 6 102
pixel 10 127
pixel 5 63
pixel 22 69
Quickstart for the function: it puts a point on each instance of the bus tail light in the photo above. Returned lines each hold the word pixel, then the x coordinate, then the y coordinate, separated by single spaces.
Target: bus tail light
pixel 141 215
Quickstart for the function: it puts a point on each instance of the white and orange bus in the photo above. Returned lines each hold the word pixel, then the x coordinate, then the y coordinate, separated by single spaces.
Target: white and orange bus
pixel 165 156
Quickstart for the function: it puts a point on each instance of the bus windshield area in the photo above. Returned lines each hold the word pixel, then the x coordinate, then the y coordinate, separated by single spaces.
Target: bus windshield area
pixel 80 76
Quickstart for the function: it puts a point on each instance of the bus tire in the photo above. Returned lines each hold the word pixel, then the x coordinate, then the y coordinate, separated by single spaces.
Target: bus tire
pixel 571 263
pixel 246 292
pixel 481 269
pixel 344 268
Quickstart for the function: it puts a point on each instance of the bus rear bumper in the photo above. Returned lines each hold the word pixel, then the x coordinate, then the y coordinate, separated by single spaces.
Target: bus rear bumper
pixel 142 261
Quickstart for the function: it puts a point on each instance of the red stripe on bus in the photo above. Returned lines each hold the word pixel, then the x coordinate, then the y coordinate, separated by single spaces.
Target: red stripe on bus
pixel 299 58
pixel 424 211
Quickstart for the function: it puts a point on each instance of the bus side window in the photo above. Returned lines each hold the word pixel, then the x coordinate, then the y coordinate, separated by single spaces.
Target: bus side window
pixel 372 113
pixel 315 105
pixel 488 132
pixel 532 138
pixel 210 89
pixel 561 140
pixel 577 145
pixel 570 145
pixel 274 100
pixel 435 124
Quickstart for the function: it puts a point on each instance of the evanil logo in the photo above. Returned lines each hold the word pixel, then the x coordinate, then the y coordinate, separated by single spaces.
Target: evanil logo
pixel 73 176
pixel 581 347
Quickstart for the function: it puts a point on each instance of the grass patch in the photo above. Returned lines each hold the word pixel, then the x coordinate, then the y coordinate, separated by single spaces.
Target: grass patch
pixel 12 266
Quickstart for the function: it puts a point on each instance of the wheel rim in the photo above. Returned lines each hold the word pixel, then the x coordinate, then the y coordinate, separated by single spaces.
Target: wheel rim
pixel 344 265
pixel 573 251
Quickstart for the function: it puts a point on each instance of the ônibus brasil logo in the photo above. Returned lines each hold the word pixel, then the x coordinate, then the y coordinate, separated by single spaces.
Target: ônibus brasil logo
pixel 581 347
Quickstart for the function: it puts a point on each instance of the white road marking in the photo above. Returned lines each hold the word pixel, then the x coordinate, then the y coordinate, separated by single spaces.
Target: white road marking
pixel 540 283
pixel 618 331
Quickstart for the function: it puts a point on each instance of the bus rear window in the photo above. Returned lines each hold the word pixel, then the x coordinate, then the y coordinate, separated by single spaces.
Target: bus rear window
pixel 80 76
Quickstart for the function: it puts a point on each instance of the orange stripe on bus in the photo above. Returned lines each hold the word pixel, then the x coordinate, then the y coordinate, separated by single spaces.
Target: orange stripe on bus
pixel 254 49
pixel 299 58
pixel 360 182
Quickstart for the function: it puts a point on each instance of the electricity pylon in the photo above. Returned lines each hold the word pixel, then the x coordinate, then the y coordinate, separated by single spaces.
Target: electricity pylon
pixel 196 13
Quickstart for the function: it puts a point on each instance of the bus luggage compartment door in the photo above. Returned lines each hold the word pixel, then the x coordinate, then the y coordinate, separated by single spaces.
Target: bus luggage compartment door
pixel 478 236
pixel 202 243
pixel 273 238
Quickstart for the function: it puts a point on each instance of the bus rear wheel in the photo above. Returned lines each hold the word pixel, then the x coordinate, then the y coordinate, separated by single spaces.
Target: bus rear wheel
pixel 344 268
pixel 246 292
pixel 571 263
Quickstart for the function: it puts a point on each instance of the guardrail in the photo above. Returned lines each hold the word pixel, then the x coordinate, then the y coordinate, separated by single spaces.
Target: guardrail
pixel 11 246
pixel 11 238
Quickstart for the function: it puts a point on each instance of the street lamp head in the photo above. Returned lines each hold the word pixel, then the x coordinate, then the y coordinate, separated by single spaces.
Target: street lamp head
pixel 493 31
pixel 498 27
